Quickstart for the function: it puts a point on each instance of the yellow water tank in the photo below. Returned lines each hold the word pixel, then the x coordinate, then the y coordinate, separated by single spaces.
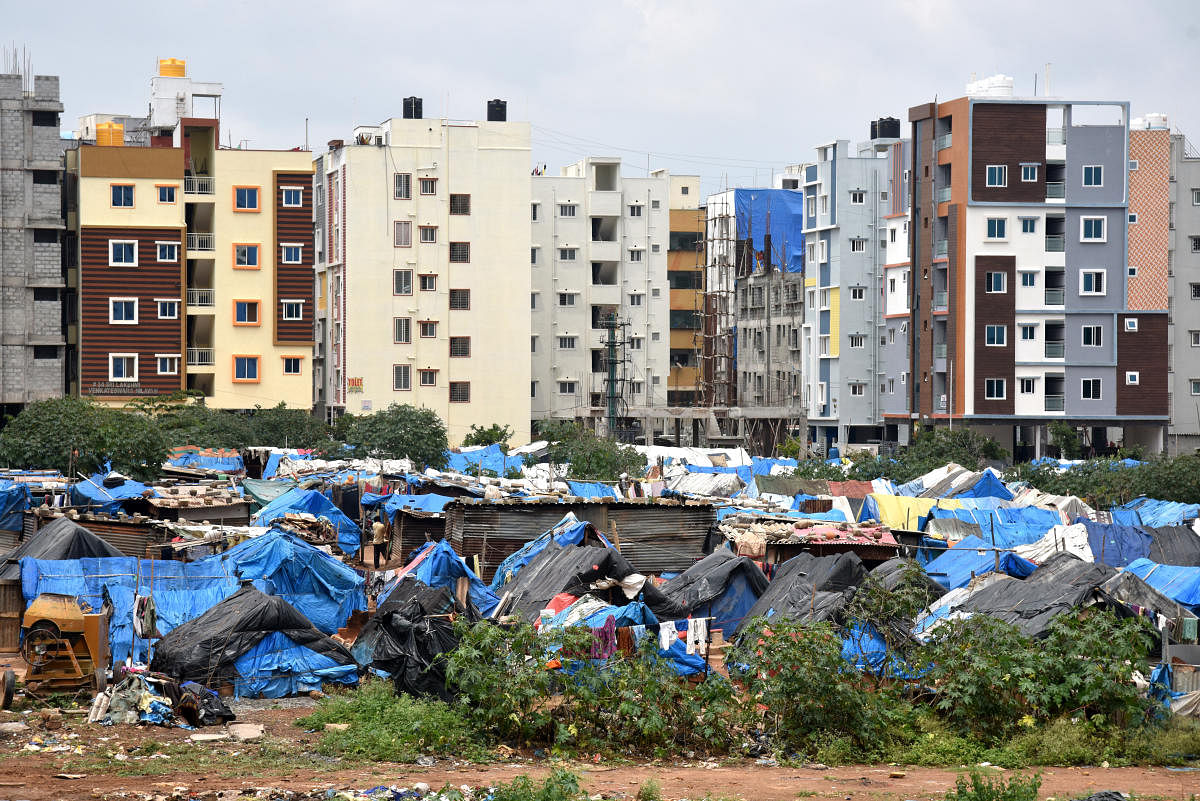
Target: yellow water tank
pixel 172 67
pixel 110 134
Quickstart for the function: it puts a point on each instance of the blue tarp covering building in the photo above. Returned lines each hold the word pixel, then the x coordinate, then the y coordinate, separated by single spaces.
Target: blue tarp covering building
pixel 437 566
pixel 312 502
pixel 1180 584
pixel 762 467
pixel 489 458
pixel 568 531
pixel 92 492
pixel 778 212
pixel 434 504
pixel 592 489
pixel 972 556
pixel 1151 512
pixel 14 500
pixel 1010 527
pixel 637 614
pixel 228 464
pixel 989 485
pixel 1115 544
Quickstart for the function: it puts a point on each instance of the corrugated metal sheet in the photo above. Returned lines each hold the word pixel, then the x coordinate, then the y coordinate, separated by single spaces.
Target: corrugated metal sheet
pixel 656 539
pixel 129 537
pixel 12 606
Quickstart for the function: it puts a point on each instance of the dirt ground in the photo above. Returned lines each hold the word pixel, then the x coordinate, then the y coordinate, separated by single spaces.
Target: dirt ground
pixel 286 760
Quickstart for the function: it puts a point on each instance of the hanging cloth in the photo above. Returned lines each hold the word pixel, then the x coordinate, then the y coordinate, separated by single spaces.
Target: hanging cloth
pixel 666 635
pixel 697 635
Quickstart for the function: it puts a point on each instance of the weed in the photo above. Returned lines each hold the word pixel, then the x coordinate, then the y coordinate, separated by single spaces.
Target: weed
pixel 979 788
pixel 649 791
pixel 562 785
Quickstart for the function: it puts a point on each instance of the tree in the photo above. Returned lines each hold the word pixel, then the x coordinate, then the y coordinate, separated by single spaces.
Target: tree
pixel 71 435
pixel 1064 437
pixel 193 424
pixel 399 431
pixel 591 457
pixel 282 427
pixel 495 434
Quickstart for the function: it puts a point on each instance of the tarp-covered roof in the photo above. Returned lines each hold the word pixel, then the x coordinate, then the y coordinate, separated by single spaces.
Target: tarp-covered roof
pixel 807 588
pixel 437 565
pixel 93 492
pixel 568 531
pixel 1115 544
pixel 428 503
pixel 262 491
pixel 972 557
pixel 722 586
pixel 1152 512
pixel 1174 545
pixel 490 458
pixel 62 538
pixel 312 502
pixel 1181 584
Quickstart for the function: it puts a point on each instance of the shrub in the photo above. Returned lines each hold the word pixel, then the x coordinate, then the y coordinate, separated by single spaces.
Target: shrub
pixel 591 457
pixel 979 788
pixel 495 434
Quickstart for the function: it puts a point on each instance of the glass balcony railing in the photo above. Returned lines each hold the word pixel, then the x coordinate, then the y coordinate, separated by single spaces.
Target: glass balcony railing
pixel 941 301
pixel 1056 189
pixel 943 194
pixel 1055 243
pixel 940 247
pixel 939 350
pixel 1056 403
pixel 1056 136
pixel 944 141
pixel 1056 350
pixel 1056 297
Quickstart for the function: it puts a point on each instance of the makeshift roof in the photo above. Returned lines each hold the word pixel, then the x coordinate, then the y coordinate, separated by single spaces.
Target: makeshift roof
pixel 93 492
pixel 972 557
pixel 722 586
pixel 1174 545
pixel 298 500
pixel 437 565
pixel 568 531
pixel 808 587
pixel 61 539
pixel 1181 584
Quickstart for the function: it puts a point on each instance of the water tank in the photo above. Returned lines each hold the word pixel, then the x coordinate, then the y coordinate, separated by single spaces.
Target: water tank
pixel 497 110
pixel 887 128
pixel 172 68
pixel 412 108
pixel 110 134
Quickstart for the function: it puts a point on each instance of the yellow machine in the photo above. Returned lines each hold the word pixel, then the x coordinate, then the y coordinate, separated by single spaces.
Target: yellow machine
pixel 65 645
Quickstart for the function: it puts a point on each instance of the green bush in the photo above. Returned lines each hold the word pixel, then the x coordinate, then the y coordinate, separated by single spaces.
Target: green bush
pixel 561 785
pixel 591 457
pixel 980 788
pixel 495 434
pixel 400 431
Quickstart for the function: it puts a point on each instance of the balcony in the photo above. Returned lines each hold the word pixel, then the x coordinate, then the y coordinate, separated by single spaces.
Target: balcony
pixel 1056 136
pixel 939 350
pixel 944 141
pixel 1056 403
pixel 1056 297
pixel 940 248
pixel 1056 190
pixel 198 185
pixel 200 297
pixel 200 357
pixel 201 243
pixel 943 194
pixel 941 301
pixel 1055 243
pixel 1056 349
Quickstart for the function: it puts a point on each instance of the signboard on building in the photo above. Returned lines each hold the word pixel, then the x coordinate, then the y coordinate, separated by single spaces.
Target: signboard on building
pixel 354 385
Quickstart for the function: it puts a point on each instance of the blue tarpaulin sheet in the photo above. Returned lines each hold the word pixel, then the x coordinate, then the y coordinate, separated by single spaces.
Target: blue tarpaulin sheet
pixel 277 667
pixel 1114 544
pixel 762 467
pixel 92 492
pixel 778 212
pixel 1180 584
pixel 637 613
pixel 1011 527
pixel 431 503
pixel 312 502
pixel 568 531
pixel 1153 512
pixel 14 500
pixel 439 566
pixel 592 489
pixel 744 472
pixel 973 556
pixel 489 458
pixel 989 485
pixel 230 464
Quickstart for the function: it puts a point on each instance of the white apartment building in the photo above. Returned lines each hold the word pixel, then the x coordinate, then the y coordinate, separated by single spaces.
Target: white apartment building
pixel 422 230
pixel 599 252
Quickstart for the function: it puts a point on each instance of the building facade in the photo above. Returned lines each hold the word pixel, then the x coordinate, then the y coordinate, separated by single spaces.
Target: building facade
pixel 1184 260
pixel 600 342
pixel 422 236
pixel 32 274
pixel 1033 296
pixel 685 281
pixel 194 262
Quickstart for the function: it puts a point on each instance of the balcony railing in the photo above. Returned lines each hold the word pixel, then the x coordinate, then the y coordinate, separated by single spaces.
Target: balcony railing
pixel 1056 297
pixel 200 297
pixel 944 141
pixel 941 300
pixel 200 357
pixel 1056 136
pixel 1056 350
pixel 198 185
pixel 1055 243
pixel 940 247
pixel 1056 403
pixel 939 350
pixel 943 194
pixel 1056 189
pixel 201 243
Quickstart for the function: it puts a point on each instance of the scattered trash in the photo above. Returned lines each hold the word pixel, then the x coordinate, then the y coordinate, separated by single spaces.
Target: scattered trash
pixel 336 726
pixel 247 732
pixel 208 737
pixel 13 727
pixel 426 761
pixel 70 775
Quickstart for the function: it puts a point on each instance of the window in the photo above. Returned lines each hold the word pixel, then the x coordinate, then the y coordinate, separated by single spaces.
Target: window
pixel 1195 291
pixel 403 235
pixel 122 196
pixel 995 388
pixel 403 186
pixel 460 204
pixel 1028 333
pixel 292 365
pixel 45 119
pixel 1132 378
pixel 168 309
pixel 428 329
pixel 635 255
pixel 654 204
pixel 858 245
pixel 858 293
pixel 291 254
pixel 122 253
pixel 167 363
pixel 1131 324
pixel 1090 389
pixel 636 298
pixel 1029 225
pixel 460 391
pixel 1093 175
pixel 460 347
pixel 655 336
pixel 123 311
pixel 1091 229
pixel 167 251
pixel 1028 386
pixel 566 343
pixel 402 330
pixel 637 387
pixel 245 257
pixel 566 298
pixel 657 248
pixel 997 227
pixel 1091 282
pixel 1133 165
pixel 994 282
pixel 858 390
pixel 892 235
pixel 891 336
pixel 1029 173
pixel 460 252
pixel 124 367
pixel 1195 338
pixel 293 197
pixel 566 209
pixel 635 211
pixel 566 387
pixel 428 234
pixel 858 341
pixel 428 186
pixel 401 377
pixel 1195 382
pixel 1093 336
pixel 166 194
pixel 292 309
pixel 1133 219
pixel 636 343
pixel 1195 240
pixel 996 336
pixel 858 198
pixel 533 253
pixel 402 282
pixel 428 283
pixel 1028 279
pixel 891 287
pixel 45 352
pixel 245 312
pixel 460 299
pixel 1196 197
pixel 997 175
pixel 533 211
pixel 245 198
pixel 245 369
pixel 533 344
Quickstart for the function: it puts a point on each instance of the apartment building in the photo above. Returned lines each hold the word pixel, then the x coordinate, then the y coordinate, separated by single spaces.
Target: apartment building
pixel 422 237
pixel 32 277
pixel 1183 215
pixel 600 343
pixel 194 261
pixel 852 196
pixel 1036 291
pixel 685 282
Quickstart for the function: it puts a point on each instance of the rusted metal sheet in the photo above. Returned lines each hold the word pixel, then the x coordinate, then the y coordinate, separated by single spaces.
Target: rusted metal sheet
pixel 12 605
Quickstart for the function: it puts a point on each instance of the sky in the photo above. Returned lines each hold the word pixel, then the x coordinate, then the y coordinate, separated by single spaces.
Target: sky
pixel 728 91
